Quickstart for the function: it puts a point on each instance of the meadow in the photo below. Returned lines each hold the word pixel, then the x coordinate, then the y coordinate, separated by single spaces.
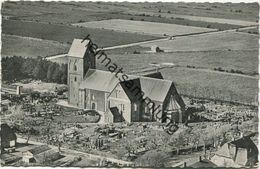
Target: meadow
pixel 211 41
pixel 246 61
pixel 143 27
pixel 213 85
pixel 89 11
pixel 65 33
pixel 30 47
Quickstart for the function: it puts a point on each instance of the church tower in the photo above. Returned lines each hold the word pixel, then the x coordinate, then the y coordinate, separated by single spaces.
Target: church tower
pixel 80 60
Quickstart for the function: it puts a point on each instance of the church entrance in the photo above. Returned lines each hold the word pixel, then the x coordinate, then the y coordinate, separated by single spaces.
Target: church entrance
pixel 93 105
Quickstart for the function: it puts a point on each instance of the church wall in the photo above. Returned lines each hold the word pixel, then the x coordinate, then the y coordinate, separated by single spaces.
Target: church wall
pixel 95 100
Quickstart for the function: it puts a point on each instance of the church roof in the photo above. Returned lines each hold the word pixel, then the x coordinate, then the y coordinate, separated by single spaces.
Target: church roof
pixel 155 89
pixel 78 48
pixel 100 80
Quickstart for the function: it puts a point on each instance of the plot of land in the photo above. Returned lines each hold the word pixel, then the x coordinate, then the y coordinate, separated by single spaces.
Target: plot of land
pixel 142 27
pixel 30 47
pixel 211 41
pixel 65 33
pixel 224 86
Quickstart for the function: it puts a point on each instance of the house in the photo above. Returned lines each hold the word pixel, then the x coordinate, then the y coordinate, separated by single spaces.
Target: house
pixel 40 154
pixel 8 137
pixel 239 153
pixel 136 99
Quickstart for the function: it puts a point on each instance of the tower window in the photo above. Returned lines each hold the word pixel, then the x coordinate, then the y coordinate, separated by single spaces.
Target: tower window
pixel 135 107
pixel 75 67
pixel 75 79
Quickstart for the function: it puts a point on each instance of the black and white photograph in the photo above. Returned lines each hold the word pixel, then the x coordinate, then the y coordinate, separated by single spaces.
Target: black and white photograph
pixel 129 84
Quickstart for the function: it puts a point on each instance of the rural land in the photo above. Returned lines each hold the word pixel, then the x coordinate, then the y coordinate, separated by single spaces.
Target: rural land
pixel 62 106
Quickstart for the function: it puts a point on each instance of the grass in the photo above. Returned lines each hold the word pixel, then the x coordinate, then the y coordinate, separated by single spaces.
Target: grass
pixel 85 10
pixel 222 87
pixel 175 13
pixel 246 61
pixel 28 47
pixel 208 42
pixel 143 27
pixel 65 34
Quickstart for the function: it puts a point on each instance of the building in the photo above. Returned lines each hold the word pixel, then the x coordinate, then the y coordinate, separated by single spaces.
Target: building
pixel 239 153
pixel 139 98
pixel 8 137
pixel 40 154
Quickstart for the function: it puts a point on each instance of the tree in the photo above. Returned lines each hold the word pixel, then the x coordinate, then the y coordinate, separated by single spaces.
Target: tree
pixel 50 71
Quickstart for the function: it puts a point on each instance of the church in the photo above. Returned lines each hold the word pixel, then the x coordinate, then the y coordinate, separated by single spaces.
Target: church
pixel 148 98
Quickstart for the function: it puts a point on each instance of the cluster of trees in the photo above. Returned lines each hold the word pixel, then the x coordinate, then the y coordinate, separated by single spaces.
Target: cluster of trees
pixel 18 68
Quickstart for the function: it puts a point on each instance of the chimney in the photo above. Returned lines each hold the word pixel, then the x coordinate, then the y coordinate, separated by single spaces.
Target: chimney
pixel 184 164
pixel 200 159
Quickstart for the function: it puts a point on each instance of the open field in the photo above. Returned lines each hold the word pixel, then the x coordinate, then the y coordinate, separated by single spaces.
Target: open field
pixel 142 27
pixel 65 33
pixel 30 47
pixel 60 12
pixel 246 61
pixel 192 82
pixel 208 42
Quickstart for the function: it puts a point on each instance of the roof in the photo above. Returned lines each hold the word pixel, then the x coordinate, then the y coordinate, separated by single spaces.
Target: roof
pixel 78 48
pixel 100 80
pixel 6 133
pixel 47 154
pixel 203 163
pixel 244 142
pixel 39 149
pixel 238 151
pixel 155 89
pixel 156 75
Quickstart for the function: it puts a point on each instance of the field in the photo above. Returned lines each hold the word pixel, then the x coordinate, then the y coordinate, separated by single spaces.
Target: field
pixel 72 12
pixel 209 42
pixel 246 61
pixel 30 47
pixel 142 27
pixel 65 34
pixel 224 87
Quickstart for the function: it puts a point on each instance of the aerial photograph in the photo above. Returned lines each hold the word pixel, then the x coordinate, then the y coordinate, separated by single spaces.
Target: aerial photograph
pixel 129 84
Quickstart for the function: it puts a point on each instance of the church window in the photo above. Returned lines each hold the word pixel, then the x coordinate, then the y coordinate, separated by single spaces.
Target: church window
pixel 75 79
pixel 135 107
pixel 75 67
pixel 93 97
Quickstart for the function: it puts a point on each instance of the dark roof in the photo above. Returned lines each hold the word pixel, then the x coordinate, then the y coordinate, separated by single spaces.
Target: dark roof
pixel 7 133
pixel 156 75
pixel 39 149
pixel 244 142
pixel 203 163
pixel 78 48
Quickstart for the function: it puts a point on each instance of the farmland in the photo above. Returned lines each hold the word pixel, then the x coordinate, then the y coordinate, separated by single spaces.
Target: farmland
pixel 246 61
pixel 242 90
pixel 65 34
pixel 211 41
pixel 142 27
pixel 31 47
pixel 71 12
